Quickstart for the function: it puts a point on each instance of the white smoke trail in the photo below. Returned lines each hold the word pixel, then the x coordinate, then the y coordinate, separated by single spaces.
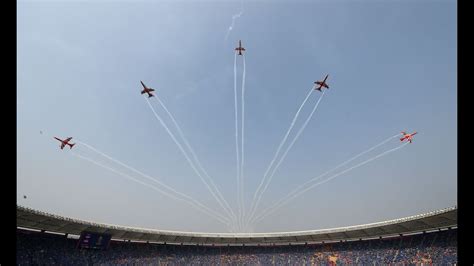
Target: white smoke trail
pixel 278 150
pixel 187 157
pixel 211 181
pixel 284 156
pixel 140 173
pixel 197 206
pixel 349 160
pixel 234 17
pixel 276 206
pixel 335 168
pixel 237 141
pixel 242 143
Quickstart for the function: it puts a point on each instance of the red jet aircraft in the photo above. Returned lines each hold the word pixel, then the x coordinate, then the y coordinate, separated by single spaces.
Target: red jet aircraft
pixel 147 90
pixel 240 48
pixel 407 137
pixel 322 84
pixel 66 142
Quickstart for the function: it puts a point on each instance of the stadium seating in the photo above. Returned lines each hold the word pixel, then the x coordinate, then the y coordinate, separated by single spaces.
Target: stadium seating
pixel 439 248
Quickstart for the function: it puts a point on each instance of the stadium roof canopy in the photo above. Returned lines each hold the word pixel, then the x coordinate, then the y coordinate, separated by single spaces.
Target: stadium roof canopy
pixel 436 220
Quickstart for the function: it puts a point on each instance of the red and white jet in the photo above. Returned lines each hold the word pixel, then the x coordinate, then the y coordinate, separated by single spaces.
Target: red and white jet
pixel 407 136
pixel 240 48
pixel 66 142
pixel 147 90
pixel 322 84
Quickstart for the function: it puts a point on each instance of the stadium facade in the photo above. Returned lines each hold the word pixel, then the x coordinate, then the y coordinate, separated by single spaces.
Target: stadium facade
pixel 439 220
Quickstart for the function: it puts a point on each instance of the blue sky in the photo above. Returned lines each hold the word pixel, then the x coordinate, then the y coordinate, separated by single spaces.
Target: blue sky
pixel 392 67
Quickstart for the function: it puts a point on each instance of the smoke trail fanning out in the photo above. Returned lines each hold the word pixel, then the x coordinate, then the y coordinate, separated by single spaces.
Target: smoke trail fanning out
pixel 237 141
pixel 180 132
pixel 140 173
pixel 278 150
pixel 333 169
pixel 337 167
pixel 199 206
pixel 276 206
pixel 242 143
pixel 287 150
pixel 187 157
pixel 348 161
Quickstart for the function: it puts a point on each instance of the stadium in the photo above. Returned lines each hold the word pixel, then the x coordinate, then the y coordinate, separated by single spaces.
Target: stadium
pixel 429 238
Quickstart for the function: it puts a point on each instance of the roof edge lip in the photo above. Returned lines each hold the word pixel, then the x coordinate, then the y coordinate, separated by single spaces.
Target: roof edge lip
pixel 241 235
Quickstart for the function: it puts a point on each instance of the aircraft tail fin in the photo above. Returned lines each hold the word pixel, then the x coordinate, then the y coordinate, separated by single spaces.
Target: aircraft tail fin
pixel 71 145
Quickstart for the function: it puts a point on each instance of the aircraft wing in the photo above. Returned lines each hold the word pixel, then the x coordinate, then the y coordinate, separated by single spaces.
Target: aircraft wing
pixel 62 145
pixel 151 89
pixel 68 139
pixel 243 49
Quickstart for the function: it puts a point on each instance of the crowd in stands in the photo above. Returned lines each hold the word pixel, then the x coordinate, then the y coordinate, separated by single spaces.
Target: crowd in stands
pixel 437 248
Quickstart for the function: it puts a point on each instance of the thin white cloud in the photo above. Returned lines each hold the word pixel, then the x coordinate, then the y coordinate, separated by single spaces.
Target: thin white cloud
pixel 234 17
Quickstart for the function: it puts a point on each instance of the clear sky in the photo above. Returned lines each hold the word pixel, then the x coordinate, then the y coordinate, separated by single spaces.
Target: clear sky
pixel 391 64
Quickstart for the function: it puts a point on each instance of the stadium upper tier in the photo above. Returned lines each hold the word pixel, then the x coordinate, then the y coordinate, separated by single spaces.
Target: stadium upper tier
pixel 34 219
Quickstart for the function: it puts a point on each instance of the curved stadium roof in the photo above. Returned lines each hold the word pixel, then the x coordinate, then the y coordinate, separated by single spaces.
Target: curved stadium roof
pixel 436 220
